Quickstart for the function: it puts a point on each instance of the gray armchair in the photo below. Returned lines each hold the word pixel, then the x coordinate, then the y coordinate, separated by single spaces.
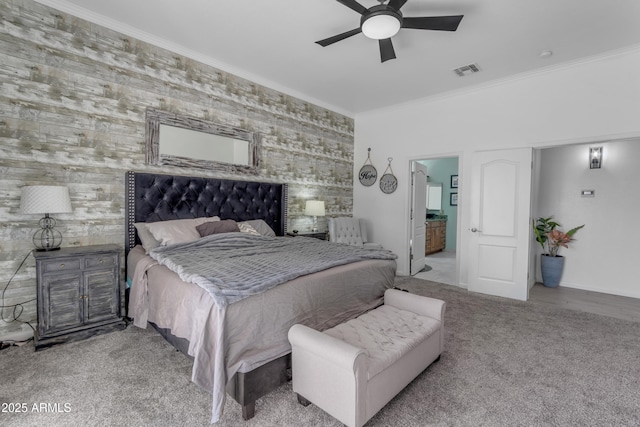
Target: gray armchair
pixel 350 231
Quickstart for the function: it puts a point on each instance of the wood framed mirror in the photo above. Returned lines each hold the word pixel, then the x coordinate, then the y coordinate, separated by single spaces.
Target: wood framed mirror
pixel 172 139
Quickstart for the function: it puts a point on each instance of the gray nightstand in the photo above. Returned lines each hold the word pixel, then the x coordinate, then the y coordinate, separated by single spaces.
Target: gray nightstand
pixel 315 235
pixel 78 292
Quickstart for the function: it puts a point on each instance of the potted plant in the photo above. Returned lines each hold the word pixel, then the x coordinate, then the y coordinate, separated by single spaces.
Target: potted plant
pixel 551 240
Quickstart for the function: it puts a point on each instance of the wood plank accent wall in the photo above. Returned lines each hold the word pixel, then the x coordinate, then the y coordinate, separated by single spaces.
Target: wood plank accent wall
pixel 72 112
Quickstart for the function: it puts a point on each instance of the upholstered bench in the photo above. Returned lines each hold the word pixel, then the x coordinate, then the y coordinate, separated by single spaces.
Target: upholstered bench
pixel 352 370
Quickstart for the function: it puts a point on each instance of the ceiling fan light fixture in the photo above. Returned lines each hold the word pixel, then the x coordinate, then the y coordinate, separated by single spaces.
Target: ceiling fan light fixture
pixel 381 25
pixel 383 21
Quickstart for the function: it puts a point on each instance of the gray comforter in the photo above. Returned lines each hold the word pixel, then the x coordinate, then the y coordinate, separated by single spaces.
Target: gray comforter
pixel 224 339
pixel 246 264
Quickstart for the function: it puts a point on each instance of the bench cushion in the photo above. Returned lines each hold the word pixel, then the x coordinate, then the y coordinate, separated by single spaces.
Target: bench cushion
pixel 386 334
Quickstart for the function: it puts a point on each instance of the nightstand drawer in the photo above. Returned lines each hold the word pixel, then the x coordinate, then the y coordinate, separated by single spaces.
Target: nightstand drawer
pixel 106 260
pixel 61 264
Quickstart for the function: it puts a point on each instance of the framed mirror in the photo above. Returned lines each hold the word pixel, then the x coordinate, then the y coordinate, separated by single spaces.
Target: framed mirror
pixel 176 140
pixel 434 195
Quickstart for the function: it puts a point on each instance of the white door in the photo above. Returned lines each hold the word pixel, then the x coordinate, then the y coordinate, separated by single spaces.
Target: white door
pixel 418 216
pixel 500 202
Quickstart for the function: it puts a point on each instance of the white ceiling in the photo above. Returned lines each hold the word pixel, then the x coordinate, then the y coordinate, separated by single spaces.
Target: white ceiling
pixel 272 42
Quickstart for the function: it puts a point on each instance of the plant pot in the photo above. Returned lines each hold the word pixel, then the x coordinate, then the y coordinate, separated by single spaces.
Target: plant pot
pixel 551 268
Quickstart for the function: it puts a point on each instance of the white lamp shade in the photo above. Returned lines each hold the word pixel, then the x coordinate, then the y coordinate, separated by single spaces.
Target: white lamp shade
pixel 40 199
pixel 314 208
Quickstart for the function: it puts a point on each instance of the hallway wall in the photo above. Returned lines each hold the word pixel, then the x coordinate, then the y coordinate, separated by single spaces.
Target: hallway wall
pixel 602 255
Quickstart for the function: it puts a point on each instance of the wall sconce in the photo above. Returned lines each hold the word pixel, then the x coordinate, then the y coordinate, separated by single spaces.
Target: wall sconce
pixel 595 157
pixel 314 208
pixel 45 199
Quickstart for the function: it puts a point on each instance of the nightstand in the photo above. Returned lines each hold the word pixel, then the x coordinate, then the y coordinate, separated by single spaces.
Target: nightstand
pixel 78 292
pixel 316 235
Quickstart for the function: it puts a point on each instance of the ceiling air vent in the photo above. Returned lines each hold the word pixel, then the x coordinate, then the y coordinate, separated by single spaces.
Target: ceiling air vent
pixel 467 69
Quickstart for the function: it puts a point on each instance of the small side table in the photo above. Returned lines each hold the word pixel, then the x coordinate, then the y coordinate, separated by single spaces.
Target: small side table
pixel 316 235
pixel 78 291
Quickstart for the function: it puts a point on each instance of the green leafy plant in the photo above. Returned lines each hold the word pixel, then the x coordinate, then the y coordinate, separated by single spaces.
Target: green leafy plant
pixel 551 239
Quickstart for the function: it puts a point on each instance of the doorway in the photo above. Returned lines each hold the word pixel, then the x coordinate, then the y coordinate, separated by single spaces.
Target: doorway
pixel 602 256
pixel 560 175
pixel 441 220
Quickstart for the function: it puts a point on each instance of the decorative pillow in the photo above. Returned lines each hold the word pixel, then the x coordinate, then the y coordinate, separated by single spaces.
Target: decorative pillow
pixel 148 241
pixel 261 227
pixel 217 227
pixel 177 230
pixel 246 228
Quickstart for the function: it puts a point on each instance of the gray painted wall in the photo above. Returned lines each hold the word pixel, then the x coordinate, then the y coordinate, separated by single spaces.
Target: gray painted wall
pixel 72 107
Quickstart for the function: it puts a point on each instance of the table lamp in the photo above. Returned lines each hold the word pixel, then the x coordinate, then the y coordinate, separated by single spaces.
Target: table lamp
pixel 45 199
pixel 314 208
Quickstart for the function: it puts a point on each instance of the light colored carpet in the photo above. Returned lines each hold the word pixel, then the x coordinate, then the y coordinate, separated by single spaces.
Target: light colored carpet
pixel 506 363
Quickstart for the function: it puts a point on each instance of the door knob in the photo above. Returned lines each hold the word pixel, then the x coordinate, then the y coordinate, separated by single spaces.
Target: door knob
pixel 475 230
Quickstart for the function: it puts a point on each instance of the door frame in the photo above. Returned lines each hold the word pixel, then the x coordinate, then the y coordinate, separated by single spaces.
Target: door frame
pixel 417 169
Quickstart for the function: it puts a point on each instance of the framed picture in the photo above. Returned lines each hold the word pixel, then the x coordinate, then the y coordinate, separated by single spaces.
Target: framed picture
pixel 454 181
pixel 453 199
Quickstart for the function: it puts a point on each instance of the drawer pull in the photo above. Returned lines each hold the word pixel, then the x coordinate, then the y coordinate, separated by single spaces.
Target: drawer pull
pixel 84 297
pixel 101 261
pixel 61 266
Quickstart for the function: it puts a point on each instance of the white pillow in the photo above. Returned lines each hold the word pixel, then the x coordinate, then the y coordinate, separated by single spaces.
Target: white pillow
pixel 246 228
pixel 178 230
pixel 260 226
pixel 148 241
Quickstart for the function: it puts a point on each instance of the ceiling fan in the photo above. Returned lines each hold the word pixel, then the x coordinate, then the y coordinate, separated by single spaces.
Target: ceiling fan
pixel 383 21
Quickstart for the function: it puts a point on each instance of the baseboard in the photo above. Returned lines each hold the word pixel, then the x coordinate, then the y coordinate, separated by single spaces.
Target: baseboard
pixel 600 290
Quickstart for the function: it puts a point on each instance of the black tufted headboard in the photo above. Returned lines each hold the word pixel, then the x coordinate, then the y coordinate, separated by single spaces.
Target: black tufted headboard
pixel 154 197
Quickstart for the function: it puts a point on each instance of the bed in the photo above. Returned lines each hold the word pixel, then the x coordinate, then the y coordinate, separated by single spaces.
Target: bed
pixel 247 337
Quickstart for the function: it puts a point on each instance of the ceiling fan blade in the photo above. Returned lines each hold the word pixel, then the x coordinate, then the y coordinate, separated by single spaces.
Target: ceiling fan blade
pixel 331 40
pixel 397 4
pixel 440 23
pixel 354 5
pixel 386 50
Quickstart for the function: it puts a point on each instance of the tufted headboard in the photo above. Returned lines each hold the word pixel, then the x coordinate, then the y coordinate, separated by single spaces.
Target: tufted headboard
pixel 155 197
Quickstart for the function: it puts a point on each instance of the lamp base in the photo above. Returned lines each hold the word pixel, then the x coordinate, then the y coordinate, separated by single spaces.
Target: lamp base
pixel 47 249
pixel 47 238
